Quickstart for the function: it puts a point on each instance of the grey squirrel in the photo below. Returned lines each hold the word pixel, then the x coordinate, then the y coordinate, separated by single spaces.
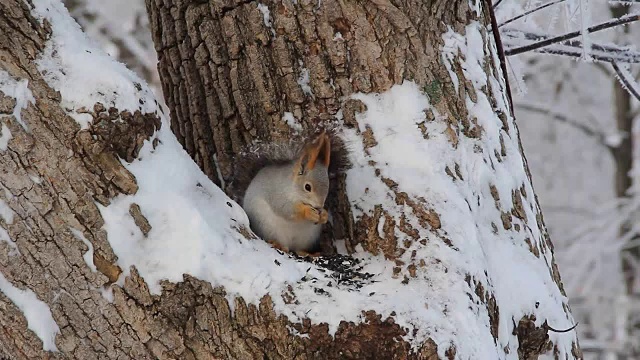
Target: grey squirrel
pixel 283 187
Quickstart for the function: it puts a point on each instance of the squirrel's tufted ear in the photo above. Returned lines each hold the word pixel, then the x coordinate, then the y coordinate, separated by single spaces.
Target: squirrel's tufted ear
pixel 319 150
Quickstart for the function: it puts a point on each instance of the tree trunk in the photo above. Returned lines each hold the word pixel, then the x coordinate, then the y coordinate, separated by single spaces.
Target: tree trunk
pixel 231 70
pixel 222 70
pixel 623 158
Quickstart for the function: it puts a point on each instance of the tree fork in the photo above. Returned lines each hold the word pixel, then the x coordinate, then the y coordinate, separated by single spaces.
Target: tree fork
pixel 231 69
pixel 228 81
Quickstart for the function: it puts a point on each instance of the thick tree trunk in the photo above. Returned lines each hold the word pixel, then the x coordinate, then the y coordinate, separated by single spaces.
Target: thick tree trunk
pixel 231 70
pixel 228 79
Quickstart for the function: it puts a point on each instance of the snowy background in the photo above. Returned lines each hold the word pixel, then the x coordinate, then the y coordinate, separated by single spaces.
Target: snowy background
pixel 565 108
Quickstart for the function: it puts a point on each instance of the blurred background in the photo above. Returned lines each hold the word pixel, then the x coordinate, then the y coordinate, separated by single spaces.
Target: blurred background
pixel 579 123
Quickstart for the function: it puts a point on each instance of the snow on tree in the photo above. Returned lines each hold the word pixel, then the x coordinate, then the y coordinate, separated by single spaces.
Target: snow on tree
pixel 115 243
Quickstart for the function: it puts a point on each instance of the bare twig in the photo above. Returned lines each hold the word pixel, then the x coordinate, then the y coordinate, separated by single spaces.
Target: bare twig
pixel 546 326
pixel 556 39
pixel 496 4
pixel 576 53
pixel 500 49
pixel 573 48
pixel 626 82
pixel 529 12
pixel 600 137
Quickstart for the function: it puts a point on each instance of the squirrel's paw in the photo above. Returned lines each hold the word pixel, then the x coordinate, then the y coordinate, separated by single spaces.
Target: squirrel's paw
pixel 308 212
pixel 324 216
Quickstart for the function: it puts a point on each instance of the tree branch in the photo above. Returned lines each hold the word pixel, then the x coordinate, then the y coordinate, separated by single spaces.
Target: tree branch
pixel 573 51
pixel 556 39
pixel 501 55
pixel 530 12
pixel 573 48
pixel 622 76
pixel 600 137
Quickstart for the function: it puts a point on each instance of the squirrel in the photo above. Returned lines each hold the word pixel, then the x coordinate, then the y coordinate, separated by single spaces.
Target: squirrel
pixel 283 188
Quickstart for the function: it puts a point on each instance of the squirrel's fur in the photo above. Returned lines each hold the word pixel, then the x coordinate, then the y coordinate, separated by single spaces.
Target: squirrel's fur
pixel 269 181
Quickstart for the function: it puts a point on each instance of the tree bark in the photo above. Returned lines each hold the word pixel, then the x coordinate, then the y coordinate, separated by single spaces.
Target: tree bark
pixel 222 70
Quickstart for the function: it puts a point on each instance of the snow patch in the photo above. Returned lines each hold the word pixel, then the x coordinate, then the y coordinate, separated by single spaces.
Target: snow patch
pixel 19 90
pixel 5 212
pixel 88 255
pixel 37 313
pixel 303 81
pixel 6 136
pixel 35 178
pixel 107 293
pixel 69 65
pixel 290 120
pixel 266 16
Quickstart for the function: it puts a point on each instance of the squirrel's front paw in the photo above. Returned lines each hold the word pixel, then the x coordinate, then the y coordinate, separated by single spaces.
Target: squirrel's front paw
pixel 323 216
pixel 309 213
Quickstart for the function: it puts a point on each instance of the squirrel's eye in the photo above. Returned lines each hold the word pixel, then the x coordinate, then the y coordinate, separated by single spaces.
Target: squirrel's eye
pixel 307 187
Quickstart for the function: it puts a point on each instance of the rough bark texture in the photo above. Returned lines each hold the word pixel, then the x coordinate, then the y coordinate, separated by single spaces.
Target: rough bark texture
pixel 227 81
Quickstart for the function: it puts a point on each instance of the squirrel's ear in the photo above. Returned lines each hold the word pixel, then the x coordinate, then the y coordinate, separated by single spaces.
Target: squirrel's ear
pixel 318 150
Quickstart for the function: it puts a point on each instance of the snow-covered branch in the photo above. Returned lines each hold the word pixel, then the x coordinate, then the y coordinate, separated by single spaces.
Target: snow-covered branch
pixel 626 80
pixel 512 39
pixel 529 12
pixel 546 41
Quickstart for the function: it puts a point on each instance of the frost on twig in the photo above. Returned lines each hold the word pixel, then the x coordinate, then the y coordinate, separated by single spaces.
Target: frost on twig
pixel 514 39
pixel 544 41
pixel 626 80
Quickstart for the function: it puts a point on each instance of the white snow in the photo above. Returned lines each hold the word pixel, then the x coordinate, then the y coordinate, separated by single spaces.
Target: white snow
pixel 614 140
pixel 5 137
pixel 69 64
pixel 88 255
pixel 107 293
pixel 17 89
pixel 5 212
pixel 223 184
pixel 37 313
pixel 290 120
pixel 264 9
pixel 303 81
pixel 35 178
